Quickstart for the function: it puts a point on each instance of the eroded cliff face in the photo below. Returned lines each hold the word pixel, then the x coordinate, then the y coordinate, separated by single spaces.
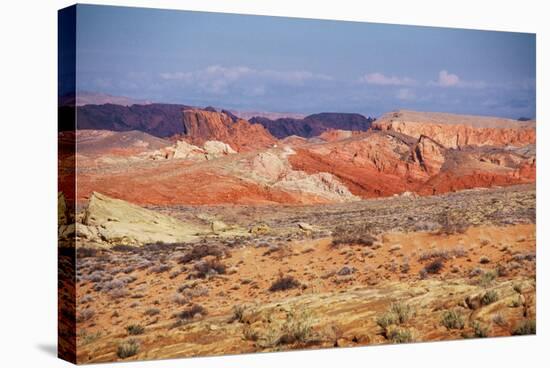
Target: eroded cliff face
pixel 456 131
pixel 202 125
pixel 383 163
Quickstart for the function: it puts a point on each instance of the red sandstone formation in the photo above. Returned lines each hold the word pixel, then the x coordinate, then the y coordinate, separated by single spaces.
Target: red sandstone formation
pixel 242 136
pixel 455 131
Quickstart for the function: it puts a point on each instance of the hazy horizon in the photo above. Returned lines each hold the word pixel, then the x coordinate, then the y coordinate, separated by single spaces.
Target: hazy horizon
pixel 260 63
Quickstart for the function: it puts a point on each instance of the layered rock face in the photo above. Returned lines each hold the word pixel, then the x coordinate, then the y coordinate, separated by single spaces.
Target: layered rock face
pixel 456 131
pixel 202 125
pixel 383 163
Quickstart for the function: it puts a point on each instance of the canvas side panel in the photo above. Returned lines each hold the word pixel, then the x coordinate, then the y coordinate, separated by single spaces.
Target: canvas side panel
pixel 66 184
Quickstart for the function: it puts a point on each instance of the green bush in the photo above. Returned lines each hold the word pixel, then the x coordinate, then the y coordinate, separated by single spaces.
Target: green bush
pixel 453 320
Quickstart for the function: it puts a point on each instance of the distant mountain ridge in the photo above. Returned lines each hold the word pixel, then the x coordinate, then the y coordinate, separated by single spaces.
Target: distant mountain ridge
pixel 314 125
pixel 160 120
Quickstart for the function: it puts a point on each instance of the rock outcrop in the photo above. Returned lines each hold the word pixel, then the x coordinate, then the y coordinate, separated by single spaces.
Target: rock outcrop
pixel 202 126
pixel 109 221
pixel 456 131
pixel 383 163
pixel 183 150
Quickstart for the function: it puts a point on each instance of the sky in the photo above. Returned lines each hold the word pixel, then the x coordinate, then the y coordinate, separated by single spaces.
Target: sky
pixel 278 64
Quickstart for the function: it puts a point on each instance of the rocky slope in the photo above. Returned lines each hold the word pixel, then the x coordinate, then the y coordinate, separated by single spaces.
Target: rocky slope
pixel 314 125
pixel 204 125
pixel 456 131
pixel 382 163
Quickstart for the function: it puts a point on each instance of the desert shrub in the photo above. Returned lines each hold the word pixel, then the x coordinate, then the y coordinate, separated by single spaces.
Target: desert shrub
pixel 200 251
pixel 208 268
pixel 386 320
pixel 487 278
pixel 196 291
pixel 180 299
pixel 353 235
pixel 160 268
pixel 118 293
pixel 457 252
pixel 284 283
pixel 152 312
pixel 123 248
pixel 451 224
pixel 127 348
pixel 480 330
pixel 499 320
pixel 397 314
pixel 191 312
pixel 484 260
pixel 135 329
pixel 84 252
pixel 517 288
pixel 86 299
pixel 525 327
pixel 250 334
pixel 85 315
pixel 88 338
pixel 399 335
pixel 452 320
pixel 403 311
pixel 297 328
pixel 489 297
pixel 238 313
pixel 434 266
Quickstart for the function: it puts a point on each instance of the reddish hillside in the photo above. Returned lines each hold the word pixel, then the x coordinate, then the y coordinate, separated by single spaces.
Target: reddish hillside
pixel 454 131
pixel 387 163
pixel 203 125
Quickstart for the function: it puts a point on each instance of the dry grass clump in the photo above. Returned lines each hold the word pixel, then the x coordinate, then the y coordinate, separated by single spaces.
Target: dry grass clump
pixel 442 254
pixel 152 312
pixel 397 314
pixel 284 283
pixel 207 268
pixel 451 223
pixel 433 267
pixel 135 329
pixel 489 297
pixel 160 268
pixel 127 348
pixel 191 312
pixel 353 235
pixel 480 330
pixel 452 320
pixel 202 250
pixel 399 335
pixel 526 327
pixel 297 328
pixel 85 315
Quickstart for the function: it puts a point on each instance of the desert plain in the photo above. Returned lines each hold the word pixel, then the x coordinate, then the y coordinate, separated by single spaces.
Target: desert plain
pixel 198 232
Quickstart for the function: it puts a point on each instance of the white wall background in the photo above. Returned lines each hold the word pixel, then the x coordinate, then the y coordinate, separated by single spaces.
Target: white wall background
pixel 28 87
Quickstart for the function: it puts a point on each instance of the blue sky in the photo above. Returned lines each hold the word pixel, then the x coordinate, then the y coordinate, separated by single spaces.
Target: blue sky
pixel 301 65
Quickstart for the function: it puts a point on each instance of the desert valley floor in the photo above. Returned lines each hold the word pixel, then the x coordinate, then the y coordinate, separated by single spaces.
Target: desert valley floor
pixel 228 238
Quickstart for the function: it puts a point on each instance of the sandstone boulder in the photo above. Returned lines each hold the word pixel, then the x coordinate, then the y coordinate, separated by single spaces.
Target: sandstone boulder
pixel 120 222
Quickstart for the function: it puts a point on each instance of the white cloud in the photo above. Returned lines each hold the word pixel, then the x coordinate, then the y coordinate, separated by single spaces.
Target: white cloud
pixel 405 94
pixel 217 79
pixel 384 80
pixel 447 79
